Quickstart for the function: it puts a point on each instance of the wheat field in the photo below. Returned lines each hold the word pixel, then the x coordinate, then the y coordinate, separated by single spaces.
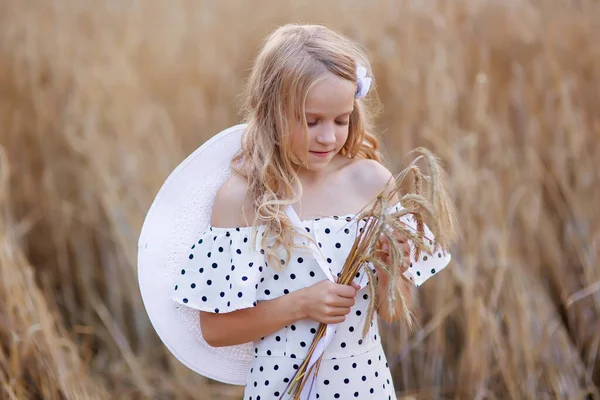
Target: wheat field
pixel 99 101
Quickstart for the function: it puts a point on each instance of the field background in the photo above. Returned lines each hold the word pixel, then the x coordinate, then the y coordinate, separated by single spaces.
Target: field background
pixel 100 100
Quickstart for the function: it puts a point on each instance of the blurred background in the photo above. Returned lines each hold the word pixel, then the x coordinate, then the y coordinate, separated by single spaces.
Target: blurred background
pixel 100 100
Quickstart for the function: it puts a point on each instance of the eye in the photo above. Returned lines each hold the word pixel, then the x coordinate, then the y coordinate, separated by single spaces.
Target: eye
pixel 343 123
pixel 311 123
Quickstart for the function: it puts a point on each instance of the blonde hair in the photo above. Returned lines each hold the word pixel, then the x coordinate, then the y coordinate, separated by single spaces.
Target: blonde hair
pixel 292 60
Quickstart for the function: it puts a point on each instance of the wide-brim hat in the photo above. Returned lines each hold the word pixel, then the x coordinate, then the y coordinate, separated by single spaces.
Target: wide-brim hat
pixel 180 211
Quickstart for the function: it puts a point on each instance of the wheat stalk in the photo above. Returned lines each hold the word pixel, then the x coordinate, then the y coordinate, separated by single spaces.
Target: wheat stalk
pixel 429 201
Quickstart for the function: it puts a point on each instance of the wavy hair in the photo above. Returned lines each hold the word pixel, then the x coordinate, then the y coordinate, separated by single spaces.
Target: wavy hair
pixel 292 60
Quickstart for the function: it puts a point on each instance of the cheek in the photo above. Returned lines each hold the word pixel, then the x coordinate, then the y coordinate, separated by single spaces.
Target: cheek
pixel 342 135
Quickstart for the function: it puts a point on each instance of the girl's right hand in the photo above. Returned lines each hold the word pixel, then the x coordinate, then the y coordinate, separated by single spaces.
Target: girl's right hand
pixel 328 302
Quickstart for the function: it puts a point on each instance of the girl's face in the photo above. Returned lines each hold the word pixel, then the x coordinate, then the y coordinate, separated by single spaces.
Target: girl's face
pixel 328 107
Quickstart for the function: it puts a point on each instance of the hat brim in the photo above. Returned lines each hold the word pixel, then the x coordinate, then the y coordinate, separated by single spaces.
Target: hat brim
pixel 181 212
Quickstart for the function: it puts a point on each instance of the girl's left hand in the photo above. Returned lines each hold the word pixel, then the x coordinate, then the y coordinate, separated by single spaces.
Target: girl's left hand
pixel 383 253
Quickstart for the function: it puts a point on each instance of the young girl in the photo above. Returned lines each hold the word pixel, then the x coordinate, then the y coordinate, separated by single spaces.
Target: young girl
pixel 307 144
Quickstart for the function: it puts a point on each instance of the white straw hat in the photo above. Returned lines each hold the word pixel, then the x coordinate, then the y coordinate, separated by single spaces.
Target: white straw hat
pixel 180 211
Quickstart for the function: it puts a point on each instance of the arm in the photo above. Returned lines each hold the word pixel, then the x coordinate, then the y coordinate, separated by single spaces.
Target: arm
pixel 259 321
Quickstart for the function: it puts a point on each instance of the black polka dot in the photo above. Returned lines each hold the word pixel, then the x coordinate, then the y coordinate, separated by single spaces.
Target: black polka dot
pixel 215 265
pixel 355 394
pixel 313 330
pixel 336 367
pixel 176 287
pixel 307 229
pixel 220 249
pixel 276 367
pixel 266 383
pixel 327 230
pixel 302 344
pixel 276 277
pixel 183 272
pixel 312 274
pixel 293 327
pixel 244 278
pixel 185 300
pixel 351 329
pixel 346 230
pixel 343 344
pixel 300 260
pixel 200 241
pixel 278 338
pixel 285 291
pixel 337 245
pixel 209 282
pixel 238 251
pixel 418 273
pixel 346 381
pixel 424 258
pixel 292 276
pixel 191 256
pixel 204 298
pixel 364 378
pixel 201 270
pixel 433 270
pixel 366 296
pixel 353 365
pixel 267 292
pixel 240 294
pixel 222 294
pixel 358 313
pixel 227 277
pixel 337 395
pixel 329 260
pixel 326 382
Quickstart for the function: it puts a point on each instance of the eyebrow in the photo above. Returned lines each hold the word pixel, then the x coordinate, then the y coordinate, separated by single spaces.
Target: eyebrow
pixel 314 114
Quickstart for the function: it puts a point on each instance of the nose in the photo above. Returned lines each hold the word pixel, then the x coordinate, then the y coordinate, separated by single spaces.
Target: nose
pixel 327 135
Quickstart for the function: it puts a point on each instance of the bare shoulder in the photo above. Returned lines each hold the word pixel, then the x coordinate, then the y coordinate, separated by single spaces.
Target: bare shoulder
pixel 370 177
pixel 230 203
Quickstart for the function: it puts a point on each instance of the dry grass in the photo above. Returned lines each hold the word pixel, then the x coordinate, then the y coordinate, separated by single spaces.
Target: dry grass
pixel 99 101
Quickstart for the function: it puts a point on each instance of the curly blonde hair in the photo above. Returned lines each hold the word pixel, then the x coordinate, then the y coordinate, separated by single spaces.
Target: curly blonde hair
pixel 292 60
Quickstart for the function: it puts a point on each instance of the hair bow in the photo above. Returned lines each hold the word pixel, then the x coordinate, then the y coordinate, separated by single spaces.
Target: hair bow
pixel 363 82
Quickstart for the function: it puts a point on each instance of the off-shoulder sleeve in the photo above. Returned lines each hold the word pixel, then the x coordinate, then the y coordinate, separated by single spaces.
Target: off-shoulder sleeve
pixel 427 265
pixel 221 272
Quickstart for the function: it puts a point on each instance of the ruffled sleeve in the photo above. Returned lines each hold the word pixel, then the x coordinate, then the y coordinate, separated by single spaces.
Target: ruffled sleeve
pixel 221 272
pixel 427 265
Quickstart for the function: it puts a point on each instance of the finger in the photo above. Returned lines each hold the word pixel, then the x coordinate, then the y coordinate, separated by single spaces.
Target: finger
pixel 337 311
pixel 346 291
pixel 355 286
pixel 342 302
pixel 333 320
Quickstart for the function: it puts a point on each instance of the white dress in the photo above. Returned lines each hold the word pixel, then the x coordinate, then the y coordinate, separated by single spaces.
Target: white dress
pixel 225 273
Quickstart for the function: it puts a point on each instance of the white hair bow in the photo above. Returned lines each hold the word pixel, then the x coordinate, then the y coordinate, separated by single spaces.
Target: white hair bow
pixel 363 82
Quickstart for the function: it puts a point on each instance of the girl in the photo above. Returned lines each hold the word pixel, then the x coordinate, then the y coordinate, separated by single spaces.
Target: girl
pixel 308 144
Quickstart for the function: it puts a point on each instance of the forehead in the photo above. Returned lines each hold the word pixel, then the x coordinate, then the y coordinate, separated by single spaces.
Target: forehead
pixel 332 95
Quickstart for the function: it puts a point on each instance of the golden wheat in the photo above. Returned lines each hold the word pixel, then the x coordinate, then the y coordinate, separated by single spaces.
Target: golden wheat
pixel 99 101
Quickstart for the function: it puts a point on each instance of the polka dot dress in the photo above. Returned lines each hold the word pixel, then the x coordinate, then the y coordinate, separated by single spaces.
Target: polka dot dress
pixel 224 272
